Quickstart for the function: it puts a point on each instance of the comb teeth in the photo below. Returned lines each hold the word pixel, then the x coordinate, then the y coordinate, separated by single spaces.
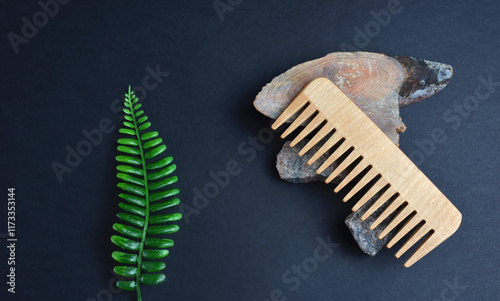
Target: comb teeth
pixel 341 150
pixel 325 130
pixel 367 178
pixel 308 129
pixel 334 139
pixel 367 148
pixel 357 170
pixel 421 231
pixel 396 203
pixel 291 110
pixel 386 196
pixel 378 186
pixel 306 114
pixel 401 216
pixel 430 242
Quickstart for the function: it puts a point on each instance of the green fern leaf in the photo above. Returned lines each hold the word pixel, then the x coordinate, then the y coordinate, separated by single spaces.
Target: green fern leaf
pixel 146 178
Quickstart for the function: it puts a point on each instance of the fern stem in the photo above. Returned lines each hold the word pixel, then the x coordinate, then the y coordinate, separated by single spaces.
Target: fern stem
pixel 146 188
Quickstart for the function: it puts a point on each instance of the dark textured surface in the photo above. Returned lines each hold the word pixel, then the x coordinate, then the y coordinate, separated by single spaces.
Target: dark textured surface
pixel 245 243
pixel 423 78
pixel 294 168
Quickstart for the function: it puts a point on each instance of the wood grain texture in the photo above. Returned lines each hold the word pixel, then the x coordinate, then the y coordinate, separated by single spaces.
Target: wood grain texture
pixel 358 140
pixel 372 80
pixel 378 83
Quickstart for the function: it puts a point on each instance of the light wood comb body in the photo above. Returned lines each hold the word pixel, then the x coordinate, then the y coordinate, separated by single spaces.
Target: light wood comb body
pixel 323 106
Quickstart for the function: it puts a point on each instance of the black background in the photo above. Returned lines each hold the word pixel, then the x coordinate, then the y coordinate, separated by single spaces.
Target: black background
pixel 64 80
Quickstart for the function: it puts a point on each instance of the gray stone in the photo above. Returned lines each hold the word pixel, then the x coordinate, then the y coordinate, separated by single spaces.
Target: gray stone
pixel 293 168
pixel 366 238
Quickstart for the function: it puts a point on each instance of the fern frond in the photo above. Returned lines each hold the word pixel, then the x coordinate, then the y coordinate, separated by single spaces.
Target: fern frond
pixel 146 184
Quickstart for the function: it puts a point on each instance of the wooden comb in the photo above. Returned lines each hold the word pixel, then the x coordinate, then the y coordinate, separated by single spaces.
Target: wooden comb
pixel 363 146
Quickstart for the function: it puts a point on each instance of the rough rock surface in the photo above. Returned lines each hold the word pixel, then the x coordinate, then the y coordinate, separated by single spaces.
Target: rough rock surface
pixel 293 168
pixel 366 238
pixel 422 79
